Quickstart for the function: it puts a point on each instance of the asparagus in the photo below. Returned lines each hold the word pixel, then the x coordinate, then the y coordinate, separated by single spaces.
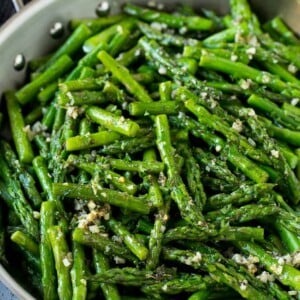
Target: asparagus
pixel 240 70
pixel 272 110
pixel 46 182
pixel 130 145
pixel 124 76
pixel 281 31
pixel 244 194
pixel 132 276
pixel 25 178
pixel 153 108
pixel 105 37
pixel 242 214
pixel 97 241
pixel 154 190
pixel 96 24
pixel 70 47
pixel 212 164
pixel 191 23
pixel 47 93
pixel 33 115
pixel 139 250
pixel 91 140
pixel 120 182
pixel 157 236
pixel 17 125
pixel 179 192
pixel 230 233
pixel 216 270
pixel 214 122
pixel 217 182
pixel 26 242
pixel 164 64
pixel 57 69
pixel 231 152
pixel 47 219
pixel 16 200
pixel 81 98
pixel 113 122
pixel 182 283
pixel 79 283
pixel 165 38
pixel 285 273
pixel 101 264
pixel 97 193
pixel 63 261
pixel 278 161
pixel 193 177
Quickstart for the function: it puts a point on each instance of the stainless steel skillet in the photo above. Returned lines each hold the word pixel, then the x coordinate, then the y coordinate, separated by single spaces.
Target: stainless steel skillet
pixel 28 33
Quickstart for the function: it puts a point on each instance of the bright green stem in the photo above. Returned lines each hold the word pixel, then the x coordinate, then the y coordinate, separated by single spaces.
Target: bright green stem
pixel 113 122
pixel 124 76
pixel 97 193
pixel 139 250
pixel 17 126
pixel 28 92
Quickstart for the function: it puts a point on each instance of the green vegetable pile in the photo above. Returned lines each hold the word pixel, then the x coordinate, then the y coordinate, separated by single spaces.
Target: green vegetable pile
pixel 156 155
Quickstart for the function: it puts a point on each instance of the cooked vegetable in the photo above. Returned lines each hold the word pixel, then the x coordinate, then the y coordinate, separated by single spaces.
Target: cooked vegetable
pixel 160 160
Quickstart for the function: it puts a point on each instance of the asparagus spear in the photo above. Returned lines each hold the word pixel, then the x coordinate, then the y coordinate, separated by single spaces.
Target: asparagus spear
pixel 26 242
pixel 17 124
pixel 133 276
pixel 63 261
pixel 157 236
pixel 47 219
pixel 179 192
pixel 25 177
pixel 110 291
pixel 85 237
pixel 139 250
pixel 244 194
pixel 17 200
pixel 191 23
pixel 285 273
pixel 79 283
pixel 97 193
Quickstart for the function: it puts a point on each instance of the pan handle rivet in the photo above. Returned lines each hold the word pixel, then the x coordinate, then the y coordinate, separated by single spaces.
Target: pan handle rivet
pixel 57 30
pixel 19 62
pixel 103 8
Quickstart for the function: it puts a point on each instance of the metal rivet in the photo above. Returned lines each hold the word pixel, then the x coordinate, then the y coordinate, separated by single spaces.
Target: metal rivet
pixel 19 62
pixel 103 8
pixel 57 30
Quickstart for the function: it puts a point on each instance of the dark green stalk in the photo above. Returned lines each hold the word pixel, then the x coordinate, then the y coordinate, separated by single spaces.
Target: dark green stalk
pixel 27 181
pixel 104 244
pixel 78 272
pixel 179 192
pixel 95 192
pixel 47 219
pixel 17 201
pixel 101 264
pixel 174 21
pixel 63 261
pixel 17 125
pixel 139 250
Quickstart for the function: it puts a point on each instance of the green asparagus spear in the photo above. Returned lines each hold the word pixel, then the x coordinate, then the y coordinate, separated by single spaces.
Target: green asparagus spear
pixel 63 261
pixel 78 274
pixel 139 250
pixel 97 193
pixel 47 220
pixel 17 124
